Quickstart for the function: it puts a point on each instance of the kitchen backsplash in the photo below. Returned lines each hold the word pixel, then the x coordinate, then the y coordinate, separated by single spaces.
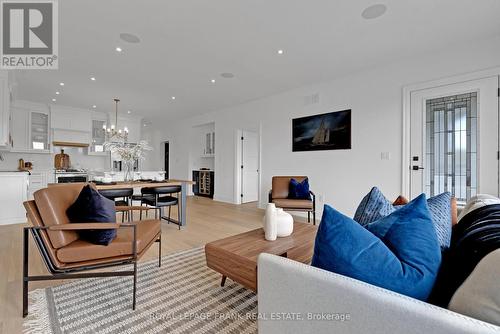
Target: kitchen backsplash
pixel 78 157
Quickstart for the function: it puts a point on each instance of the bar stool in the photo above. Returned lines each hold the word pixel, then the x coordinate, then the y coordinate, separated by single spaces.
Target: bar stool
pixel 163 197
pixel 121 197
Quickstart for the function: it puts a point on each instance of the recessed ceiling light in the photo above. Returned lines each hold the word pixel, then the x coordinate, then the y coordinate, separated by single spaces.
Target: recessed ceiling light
pixel 374 11
pixel 94 106
pixel 119 49
pixel 57 93
pixel 128 111
pixel 173 97
pixel 130 38
pixel 145 124
pixel 92 78
pixel 61 84
pixel 212 81
pixel 53 100
pixel 280 52
pixel 227 75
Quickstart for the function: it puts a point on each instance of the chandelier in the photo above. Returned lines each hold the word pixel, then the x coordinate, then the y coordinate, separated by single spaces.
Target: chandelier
pixel 113 133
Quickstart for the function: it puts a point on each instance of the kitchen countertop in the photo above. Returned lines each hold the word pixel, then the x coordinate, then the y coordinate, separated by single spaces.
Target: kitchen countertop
pixel 14 171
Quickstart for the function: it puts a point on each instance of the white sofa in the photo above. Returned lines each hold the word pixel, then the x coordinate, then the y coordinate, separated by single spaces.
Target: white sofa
pixel 289 292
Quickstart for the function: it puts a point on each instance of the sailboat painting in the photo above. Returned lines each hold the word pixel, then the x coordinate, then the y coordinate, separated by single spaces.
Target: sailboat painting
pixel 330 131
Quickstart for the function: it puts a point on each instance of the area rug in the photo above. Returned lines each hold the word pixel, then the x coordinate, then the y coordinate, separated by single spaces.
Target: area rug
pixel 183 296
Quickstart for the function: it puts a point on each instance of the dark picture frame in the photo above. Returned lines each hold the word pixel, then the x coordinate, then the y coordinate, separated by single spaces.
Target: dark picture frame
pixel 329 131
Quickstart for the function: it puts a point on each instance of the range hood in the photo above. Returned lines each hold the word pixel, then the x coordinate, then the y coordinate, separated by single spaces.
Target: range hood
pixel 71 138
pixel 69 144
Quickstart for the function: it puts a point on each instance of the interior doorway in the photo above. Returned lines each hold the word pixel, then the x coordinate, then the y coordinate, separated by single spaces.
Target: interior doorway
pixel 454 139
pixel 248 162
pixel 166 159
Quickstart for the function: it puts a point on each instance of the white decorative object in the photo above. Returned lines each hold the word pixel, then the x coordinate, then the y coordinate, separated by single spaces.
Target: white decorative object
pixel 284 223
pixel 270 223
pixel 128 153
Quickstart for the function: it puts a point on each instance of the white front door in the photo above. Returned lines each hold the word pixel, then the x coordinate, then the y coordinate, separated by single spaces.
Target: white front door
pixel 250 167
pixel 454 139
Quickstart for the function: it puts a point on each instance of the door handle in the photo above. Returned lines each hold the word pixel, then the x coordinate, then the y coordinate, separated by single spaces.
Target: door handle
pixel 416 167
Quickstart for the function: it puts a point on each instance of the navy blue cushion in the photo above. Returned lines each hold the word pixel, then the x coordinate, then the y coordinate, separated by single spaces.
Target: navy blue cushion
pixel 299 190
pixel 90 206
pixel 405 258
pixel 375 206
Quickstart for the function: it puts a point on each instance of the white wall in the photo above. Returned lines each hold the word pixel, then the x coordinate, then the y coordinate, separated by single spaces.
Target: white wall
pixel 340 178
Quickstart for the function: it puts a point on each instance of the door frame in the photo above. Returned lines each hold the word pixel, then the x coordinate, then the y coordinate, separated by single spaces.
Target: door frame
pixel 237 165
pixel 407 90
pixel 166 168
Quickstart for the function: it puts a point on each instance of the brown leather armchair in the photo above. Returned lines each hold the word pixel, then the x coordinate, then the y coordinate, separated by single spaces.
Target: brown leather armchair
pixel 279 196
pixel 66 255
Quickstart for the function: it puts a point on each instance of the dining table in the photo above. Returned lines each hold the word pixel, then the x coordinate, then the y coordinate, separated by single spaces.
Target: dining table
pixel 138 184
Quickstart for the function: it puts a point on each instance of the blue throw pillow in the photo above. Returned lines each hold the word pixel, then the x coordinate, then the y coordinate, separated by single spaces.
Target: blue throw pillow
pixel 299 190
pixel 405 260
pixel 90 206
pixel 440 208
pixel 374 206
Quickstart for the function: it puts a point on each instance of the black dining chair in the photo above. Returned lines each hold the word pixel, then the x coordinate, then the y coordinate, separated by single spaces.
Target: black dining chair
pixel 162 197
pixel 121 197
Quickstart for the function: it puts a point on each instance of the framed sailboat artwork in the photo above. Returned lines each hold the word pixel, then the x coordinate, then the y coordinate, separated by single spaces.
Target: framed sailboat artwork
pixel 330 131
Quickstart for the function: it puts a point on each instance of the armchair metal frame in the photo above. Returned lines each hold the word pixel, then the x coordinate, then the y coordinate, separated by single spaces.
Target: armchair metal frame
pixel 74 273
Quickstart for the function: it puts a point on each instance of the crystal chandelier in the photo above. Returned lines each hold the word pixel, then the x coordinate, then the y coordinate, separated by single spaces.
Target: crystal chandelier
pixel 113 133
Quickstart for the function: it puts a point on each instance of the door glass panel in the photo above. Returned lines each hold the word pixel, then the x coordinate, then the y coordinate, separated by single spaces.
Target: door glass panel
pixel 39 131
pixel 98 136
pixel 451 144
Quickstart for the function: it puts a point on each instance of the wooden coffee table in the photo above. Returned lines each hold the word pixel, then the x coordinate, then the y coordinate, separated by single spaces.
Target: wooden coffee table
pixel 236 257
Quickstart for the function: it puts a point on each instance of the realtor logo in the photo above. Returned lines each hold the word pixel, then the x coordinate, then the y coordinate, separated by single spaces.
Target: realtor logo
pixel 29 38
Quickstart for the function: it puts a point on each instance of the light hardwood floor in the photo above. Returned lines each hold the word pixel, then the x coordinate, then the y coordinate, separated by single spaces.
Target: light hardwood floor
pixel 207 221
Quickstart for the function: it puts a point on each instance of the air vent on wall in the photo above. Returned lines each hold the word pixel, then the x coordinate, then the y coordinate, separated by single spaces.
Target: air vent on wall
pixel 311 99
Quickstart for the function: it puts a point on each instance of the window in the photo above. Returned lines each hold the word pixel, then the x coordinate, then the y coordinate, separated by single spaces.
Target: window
pixel 451 146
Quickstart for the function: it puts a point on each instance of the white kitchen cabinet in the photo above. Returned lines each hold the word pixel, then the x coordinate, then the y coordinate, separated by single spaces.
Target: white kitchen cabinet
pixel 30 130
pixel 99 121
pixel 19 129
pixel 14 193
pixel 39 180
pixel 4 110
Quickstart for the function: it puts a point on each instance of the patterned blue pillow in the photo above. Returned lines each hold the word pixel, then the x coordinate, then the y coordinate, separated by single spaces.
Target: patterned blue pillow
pixel 375 206
pixel 440 208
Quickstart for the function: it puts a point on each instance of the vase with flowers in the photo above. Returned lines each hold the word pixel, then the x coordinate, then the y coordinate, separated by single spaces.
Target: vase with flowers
pixel 128 153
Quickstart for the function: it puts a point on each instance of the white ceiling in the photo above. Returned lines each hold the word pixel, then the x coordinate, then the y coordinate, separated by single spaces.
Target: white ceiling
pixel 186 43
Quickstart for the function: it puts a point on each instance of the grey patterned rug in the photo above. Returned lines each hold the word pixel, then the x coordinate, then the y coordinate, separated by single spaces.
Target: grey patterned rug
pixel 183 296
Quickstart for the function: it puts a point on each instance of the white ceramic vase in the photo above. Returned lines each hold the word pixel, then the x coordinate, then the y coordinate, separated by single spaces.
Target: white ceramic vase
pixel 270 223
pixel 284 223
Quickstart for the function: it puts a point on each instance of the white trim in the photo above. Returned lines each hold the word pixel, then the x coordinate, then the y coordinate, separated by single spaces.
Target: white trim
pixel 407 90
pixel 237 166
